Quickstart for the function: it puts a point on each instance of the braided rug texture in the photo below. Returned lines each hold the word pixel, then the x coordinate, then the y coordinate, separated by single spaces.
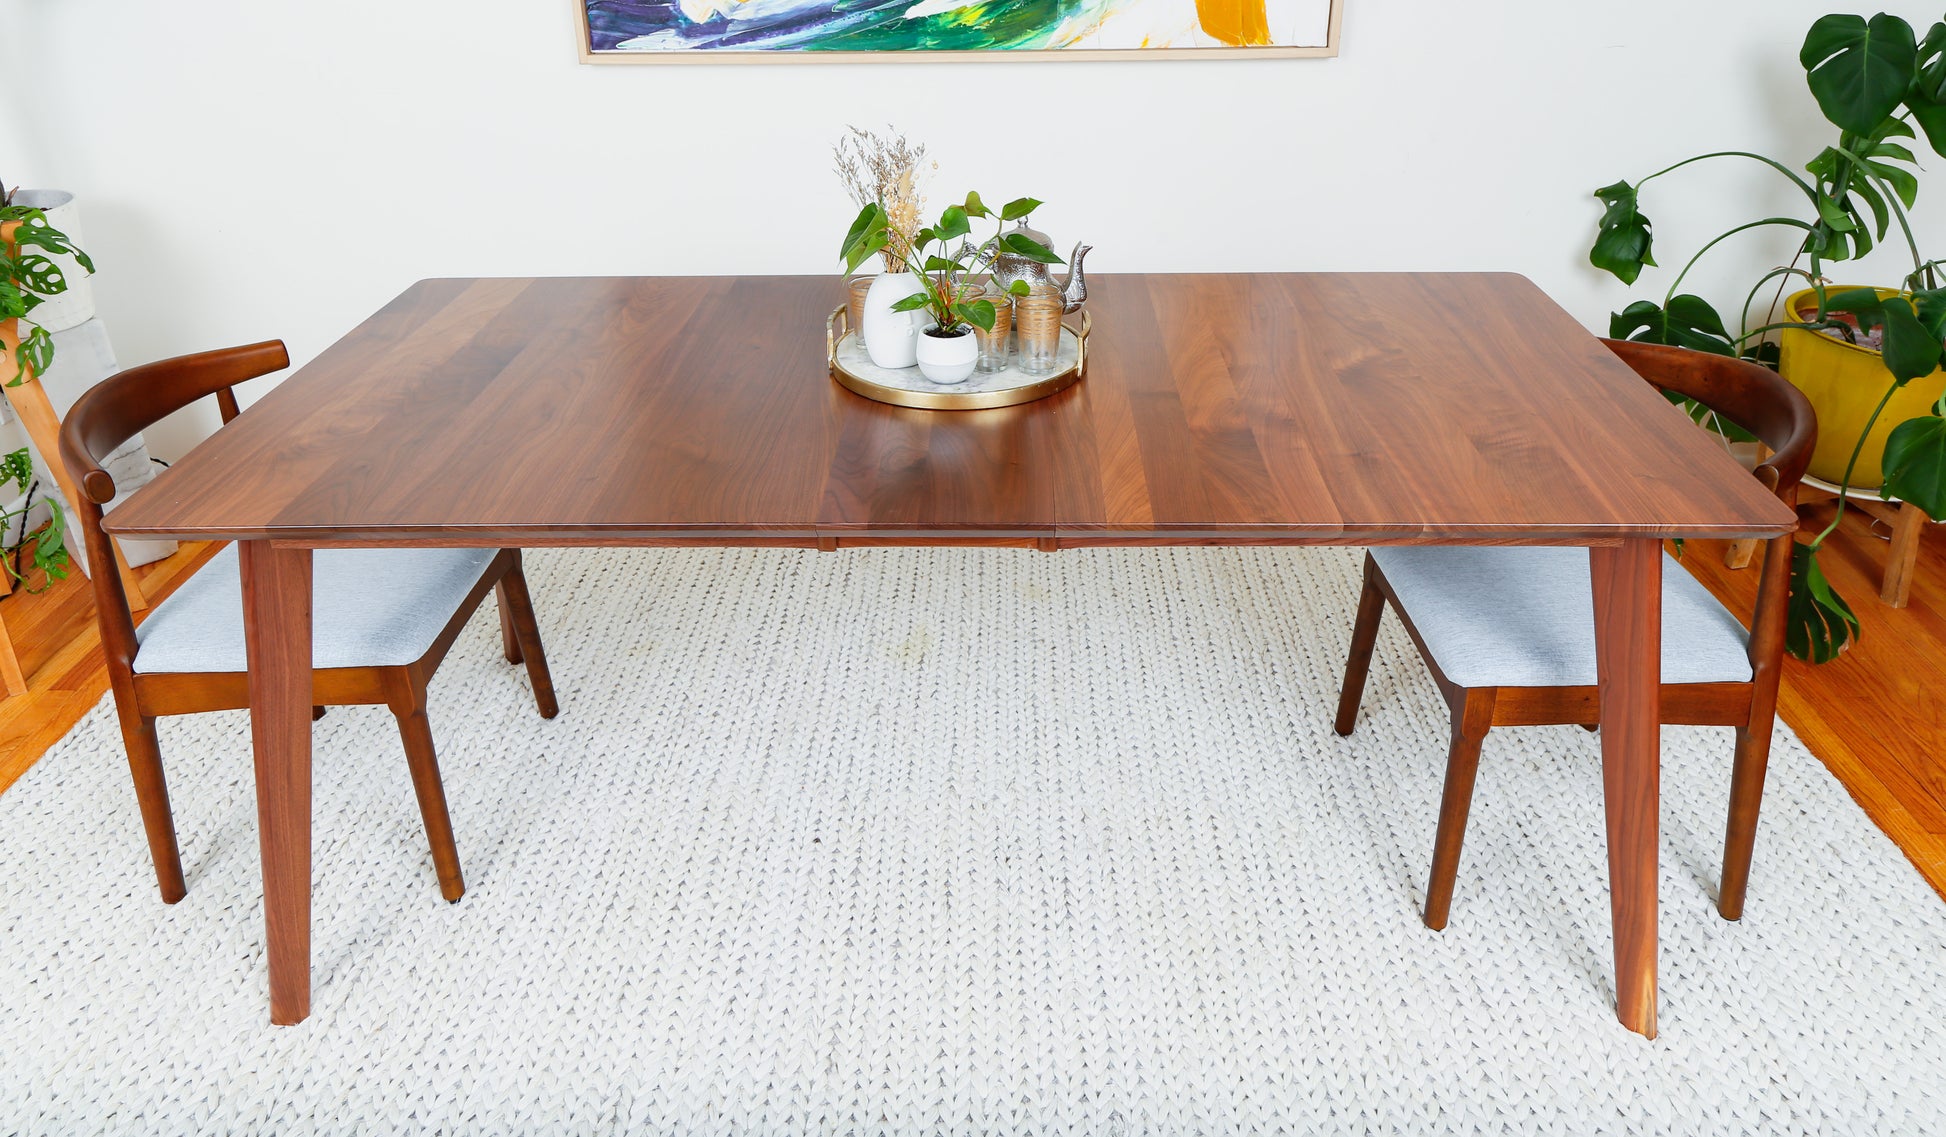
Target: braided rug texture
pixel 944 842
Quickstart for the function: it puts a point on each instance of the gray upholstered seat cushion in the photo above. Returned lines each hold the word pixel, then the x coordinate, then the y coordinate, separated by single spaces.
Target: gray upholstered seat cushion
pixel 369 608
pixel 1494 617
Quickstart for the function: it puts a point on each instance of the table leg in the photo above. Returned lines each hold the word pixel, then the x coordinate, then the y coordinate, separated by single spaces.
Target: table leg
pixel 277 629
pixel 1628 649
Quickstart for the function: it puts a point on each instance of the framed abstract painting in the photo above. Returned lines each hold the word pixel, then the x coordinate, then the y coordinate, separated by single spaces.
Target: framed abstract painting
pixel 851 31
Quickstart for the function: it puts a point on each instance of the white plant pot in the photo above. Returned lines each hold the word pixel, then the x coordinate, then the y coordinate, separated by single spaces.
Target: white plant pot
pixel 76 306
pixel 890 336
pixel 948 359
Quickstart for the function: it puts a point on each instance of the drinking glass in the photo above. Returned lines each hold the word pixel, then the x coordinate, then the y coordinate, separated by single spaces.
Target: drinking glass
pixel 993 344
pixel 855 290
pixel 1037 319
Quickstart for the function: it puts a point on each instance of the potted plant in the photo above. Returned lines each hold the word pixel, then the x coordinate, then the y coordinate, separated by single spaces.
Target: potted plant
pixel 952 303
pixel 1875 81
pixel 28 277
pixel 50 551
pixel 886 170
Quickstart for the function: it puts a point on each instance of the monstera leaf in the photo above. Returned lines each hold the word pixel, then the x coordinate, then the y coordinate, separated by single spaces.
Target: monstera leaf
pixel 1915 463
pixel 35 231
pixel 1927 96
pixel 1688 321
pixel 34 352
pixel 1818 624
pixel 1843 183
pixel 17 468
pixel 1912 350
pixel 1623 244
pixel 1859 71
pixel 39 274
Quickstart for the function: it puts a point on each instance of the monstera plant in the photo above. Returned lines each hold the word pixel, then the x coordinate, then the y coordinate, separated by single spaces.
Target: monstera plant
pixel 29 275
pixel 1881 87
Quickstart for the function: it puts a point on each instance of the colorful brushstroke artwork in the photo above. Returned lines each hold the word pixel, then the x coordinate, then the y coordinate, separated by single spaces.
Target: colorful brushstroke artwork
pixel 648 30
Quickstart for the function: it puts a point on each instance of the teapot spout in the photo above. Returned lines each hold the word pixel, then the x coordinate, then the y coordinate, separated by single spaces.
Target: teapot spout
pixel 1074 288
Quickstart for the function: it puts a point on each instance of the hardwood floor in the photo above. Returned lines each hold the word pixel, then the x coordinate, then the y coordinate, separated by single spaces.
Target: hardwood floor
pixel 1876 717
pixel 60 653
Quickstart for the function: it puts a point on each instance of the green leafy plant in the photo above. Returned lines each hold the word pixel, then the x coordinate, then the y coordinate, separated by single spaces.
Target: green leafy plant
pixel 1880 86
pixel 50 550
pixel 28 276
pixel 946 293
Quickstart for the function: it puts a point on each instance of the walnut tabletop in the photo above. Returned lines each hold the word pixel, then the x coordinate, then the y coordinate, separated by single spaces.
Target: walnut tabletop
pixel 1260 408
pixel 1299 408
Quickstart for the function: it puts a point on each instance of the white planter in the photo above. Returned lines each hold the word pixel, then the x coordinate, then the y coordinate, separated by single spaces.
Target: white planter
pixel 77 305
pixel 948 360
pixel 889 336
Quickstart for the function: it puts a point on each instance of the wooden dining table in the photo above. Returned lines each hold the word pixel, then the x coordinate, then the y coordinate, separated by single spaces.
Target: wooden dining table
pixel 1242 409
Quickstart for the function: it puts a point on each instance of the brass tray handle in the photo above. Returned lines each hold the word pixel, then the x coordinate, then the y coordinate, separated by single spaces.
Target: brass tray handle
pixel 835 328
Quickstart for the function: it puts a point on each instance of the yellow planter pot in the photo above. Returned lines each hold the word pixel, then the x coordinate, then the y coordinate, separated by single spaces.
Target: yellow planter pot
pixel 1844 383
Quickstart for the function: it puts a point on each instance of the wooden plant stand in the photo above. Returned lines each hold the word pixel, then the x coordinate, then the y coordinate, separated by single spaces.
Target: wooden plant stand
pixel 1906 520
pixel 12 681
pixel 29 401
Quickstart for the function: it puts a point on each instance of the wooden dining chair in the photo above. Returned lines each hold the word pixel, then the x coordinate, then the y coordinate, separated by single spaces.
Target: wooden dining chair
pixel 1508 633
pixel 383 618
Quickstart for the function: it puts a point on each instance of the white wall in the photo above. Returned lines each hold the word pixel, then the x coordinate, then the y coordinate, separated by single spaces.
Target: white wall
pixel 253 169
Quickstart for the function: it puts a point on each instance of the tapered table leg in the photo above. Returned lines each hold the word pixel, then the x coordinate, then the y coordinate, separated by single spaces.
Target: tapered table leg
pixel 1628 649
pixel 277 629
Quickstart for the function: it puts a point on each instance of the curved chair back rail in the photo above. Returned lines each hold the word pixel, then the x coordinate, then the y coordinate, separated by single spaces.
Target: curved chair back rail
pixel 129 402
pixel 1748 394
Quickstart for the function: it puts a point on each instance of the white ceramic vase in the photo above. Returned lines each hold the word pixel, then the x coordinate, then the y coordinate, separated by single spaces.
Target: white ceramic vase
pixel 948 359
pixel 890 336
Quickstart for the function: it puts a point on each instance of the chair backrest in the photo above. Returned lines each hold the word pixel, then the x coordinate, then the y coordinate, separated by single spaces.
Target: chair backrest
pixel 1759 400
pixel 116 410
pixel 1750 395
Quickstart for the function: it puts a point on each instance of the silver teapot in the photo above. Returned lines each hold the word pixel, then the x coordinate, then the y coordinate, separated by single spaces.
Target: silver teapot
pixel 1009 267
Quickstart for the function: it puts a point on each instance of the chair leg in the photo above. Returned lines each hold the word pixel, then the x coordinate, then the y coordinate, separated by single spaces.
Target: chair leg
pixel 509 638
pixel 1364 638
pixel 152 794
pixel 1746 800
pixel 1472 718
pixel 517 609
pixel 416 732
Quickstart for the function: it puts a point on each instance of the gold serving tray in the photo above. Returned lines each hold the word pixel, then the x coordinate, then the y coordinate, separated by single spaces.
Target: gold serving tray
pixel 906 387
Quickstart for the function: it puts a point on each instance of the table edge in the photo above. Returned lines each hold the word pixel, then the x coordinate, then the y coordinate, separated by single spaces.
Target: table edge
pixel 542 536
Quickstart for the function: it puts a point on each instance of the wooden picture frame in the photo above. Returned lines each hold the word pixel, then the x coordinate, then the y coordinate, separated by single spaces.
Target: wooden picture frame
pixel 585 45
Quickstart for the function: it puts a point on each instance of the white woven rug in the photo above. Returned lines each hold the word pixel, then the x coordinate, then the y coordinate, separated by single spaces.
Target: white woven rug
pixel 969 842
